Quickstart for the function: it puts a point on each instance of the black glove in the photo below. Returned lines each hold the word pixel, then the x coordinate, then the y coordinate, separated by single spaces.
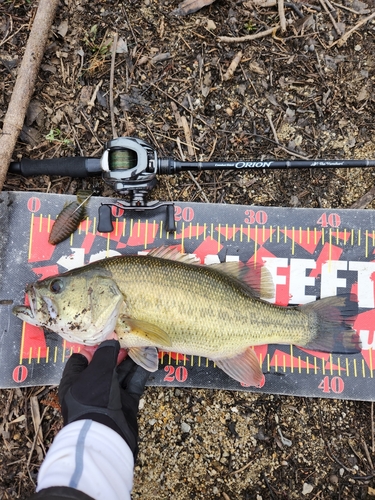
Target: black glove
pixel 104 392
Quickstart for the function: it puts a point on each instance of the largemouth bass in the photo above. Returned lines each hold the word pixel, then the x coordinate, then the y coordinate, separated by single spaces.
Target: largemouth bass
pixel 167 301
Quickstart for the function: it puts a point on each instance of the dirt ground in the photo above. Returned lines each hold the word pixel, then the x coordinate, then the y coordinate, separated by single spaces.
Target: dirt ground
pixel 306 92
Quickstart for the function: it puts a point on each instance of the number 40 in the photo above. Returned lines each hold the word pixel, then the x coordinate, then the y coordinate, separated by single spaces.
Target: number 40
pixel 334 384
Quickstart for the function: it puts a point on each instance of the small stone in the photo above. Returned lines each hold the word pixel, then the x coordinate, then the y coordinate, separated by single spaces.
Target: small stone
pixel 307 488
pixel 185 428
pixel 333 479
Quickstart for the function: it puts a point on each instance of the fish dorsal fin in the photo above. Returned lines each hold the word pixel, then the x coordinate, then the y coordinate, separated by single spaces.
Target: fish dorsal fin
pixel 172 253
pixel 147 330
pixel 258 279
pixel 244 367
pixel 147 357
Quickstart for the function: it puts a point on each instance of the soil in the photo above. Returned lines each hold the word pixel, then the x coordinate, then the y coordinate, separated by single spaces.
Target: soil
pixel 295 94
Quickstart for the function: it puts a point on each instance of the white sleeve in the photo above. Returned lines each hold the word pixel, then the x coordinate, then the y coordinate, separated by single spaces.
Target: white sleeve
pixel 89 457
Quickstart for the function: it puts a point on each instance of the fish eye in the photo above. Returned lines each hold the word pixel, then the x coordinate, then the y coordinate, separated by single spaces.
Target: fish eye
pixel 56 286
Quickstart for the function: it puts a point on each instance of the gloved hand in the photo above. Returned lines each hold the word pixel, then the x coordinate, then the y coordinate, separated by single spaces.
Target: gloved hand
pixel 104 392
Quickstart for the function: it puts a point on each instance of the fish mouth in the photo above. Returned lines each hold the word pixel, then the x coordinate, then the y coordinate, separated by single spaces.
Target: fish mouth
pixel 28 313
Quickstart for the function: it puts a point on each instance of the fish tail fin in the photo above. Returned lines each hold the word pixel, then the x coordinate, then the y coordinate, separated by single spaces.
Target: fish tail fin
pixel 332 320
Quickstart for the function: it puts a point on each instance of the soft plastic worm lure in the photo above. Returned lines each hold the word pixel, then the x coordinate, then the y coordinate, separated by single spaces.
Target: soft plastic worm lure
pixel 69 218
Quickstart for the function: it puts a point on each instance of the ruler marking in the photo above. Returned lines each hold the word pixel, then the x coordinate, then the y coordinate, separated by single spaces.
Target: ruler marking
pixel 331 364
pixel 330 248
pixel 146 234
pixel 370 354
pixel 182 236
pixel 291 359
pixel 47 354
pixel 31 234
pixel 22 341
pixel 64 348
pixel 293 241
pixel 307 365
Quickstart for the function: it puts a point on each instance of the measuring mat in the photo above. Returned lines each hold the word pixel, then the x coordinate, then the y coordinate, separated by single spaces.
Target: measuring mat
pixel 311 253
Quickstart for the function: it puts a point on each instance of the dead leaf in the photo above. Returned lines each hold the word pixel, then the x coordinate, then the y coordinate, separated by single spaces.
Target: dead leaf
pixel 190 6
pixel 62 30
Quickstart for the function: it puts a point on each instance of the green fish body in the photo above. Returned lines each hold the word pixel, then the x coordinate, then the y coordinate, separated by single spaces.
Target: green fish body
pixel 166 301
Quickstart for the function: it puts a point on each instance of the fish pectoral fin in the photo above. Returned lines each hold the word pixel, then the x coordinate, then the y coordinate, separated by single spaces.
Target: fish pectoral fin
pixel 147 330
pixel 244 367
pixel 147 357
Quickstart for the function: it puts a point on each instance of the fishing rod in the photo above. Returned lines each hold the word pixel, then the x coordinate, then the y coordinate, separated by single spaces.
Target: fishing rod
pixel 130 165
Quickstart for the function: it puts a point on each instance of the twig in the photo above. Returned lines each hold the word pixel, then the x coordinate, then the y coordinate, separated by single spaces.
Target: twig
pixel 344 7
pixel 91 102
pixel 188 138
pixel 24 86
pixel 368 456
pixel 246 38
pixel 280 7
pixel 365 200
pixel 200 190
pixel 242 468
pixel 324 5
pixel 269 116
pixel 341 41
pixel 232 67
pixel 111 80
